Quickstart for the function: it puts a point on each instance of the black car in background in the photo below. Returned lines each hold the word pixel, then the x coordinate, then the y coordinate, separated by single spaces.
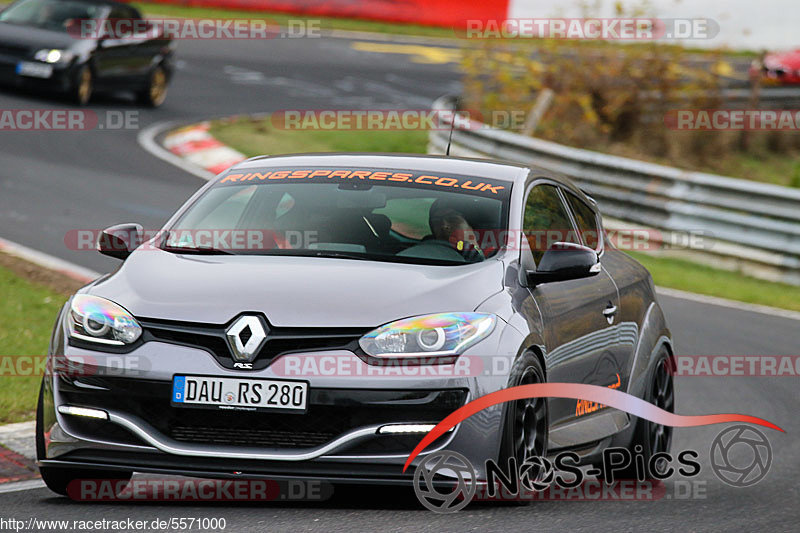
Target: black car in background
pixel 44 44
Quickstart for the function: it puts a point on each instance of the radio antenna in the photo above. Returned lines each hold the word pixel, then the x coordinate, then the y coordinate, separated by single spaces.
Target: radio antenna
pixel 452 125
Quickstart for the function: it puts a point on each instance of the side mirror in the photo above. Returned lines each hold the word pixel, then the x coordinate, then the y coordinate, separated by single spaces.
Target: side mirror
pixel 564 261
pixel 120 240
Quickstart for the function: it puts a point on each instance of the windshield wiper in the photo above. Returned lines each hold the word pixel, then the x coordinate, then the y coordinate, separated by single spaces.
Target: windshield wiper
pixel 335 255
pixel 206 250
pixel 177 249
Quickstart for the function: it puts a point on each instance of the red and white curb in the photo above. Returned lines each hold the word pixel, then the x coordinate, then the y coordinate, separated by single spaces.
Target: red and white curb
pixel 19 438
pixel 17 454
pixel 198 147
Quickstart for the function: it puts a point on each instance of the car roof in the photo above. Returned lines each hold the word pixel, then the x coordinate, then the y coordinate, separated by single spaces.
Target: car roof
pixel 500 170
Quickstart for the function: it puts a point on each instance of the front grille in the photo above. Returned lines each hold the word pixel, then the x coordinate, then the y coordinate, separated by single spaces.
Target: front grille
pixel 267 438
pixel 330 412
pixel 280 341
pixel 13 50
pixel 236 428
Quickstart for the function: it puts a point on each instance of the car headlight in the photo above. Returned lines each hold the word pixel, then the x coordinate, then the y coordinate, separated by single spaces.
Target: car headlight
pixel 53 55
pixel 442 334
pixel 95 319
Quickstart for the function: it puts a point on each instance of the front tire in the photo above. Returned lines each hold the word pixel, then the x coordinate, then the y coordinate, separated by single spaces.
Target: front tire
pixel 156 91
pixel 83 87
pixel 526 427
pixel 650 438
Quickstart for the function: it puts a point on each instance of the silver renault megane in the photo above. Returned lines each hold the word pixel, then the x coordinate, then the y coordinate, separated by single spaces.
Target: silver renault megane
pixel 313 316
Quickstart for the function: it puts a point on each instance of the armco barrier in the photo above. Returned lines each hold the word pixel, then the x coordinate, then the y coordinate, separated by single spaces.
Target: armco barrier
pixel 754 227
pixel 445 13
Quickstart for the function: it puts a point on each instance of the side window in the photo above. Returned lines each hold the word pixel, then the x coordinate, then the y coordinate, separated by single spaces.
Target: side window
pixel 119 19
pixel 133 14
pixel 586 220
pixel 546 221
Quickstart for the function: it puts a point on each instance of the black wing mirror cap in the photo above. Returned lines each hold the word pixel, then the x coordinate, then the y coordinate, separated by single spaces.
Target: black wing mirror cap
pixel 120 240
pixel 564 261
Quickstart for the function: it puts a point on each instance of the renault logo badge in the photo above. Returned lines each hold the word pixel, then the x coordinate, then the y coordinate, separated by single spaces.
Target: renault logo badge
pixel 245 337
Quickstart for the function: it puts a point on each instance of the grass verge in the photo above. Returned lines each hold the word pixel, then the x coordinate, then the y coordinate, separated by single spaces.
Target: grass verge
pixel 27 312
pixel 693 277
pixel 258 136
pixel 765 167
pixel 153 9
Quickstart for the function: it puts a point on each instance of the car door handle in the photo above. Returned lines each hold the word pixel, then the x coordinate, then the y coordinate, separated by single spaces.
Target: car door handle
pixel 610 310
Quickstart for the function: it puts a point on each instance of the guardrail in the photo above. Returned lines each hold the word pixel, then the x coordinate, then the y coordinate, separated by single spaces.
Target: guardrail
pixel 768 98
pixel 748 226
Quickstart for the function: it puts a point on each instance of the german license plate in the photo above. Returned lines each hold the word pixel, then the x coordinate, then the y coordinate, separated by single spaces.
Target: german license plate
pixel 34 70
pixel 239 394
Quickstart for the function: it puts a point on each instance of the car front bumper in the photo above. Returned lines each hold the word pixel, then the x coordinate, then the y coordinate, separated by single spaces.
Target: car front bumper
pixel 60 80
pixel 336 439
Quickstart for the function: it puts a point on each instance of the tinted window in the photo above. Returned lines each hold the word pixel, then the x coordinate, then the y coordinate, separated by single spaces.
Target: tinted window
pixel 119 20
pixel 410 217
pixel 586 220
pixel 123 12
pixel 220 209
pixel 546 220
pixel 376 215
pixel 58 15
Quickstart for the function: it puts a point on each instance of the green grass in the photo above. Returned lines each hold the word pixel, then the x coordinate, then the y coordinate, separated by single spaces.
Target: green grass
pixel 693 277
pixel 27 314
pixel 258 137
pixel 325 23
pixel 780 169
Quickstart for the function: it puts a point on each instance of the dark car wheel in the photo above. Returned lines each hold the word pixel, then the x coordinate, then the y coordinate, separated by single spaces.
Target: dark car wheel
pixel 58 479
pixel 526 425
pixel 83 86
pixel 650 438
pixel 156 91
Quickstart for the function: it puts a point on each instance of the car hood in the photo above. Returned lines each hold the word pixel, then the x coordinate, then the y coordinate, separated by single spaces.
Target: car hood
pixel 32 37
pixel 293 291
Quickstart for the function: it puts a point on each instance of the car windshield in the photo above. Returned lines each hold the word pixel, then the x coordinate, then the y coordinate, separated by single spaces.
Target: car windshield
pixel 58 15
pixel 381 215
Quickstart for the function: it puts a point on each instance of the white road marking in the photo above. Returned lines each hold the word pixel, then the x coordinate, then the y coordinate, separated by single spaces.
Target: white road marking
pixel 147 140
pixel 18 427
pixel 453 41
pixel 48 261
pixel 18 486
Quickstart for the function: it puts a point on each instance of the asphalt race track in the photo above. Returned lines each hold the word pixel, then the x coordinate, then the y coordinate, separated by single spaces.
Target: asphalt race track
pixel 53 182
